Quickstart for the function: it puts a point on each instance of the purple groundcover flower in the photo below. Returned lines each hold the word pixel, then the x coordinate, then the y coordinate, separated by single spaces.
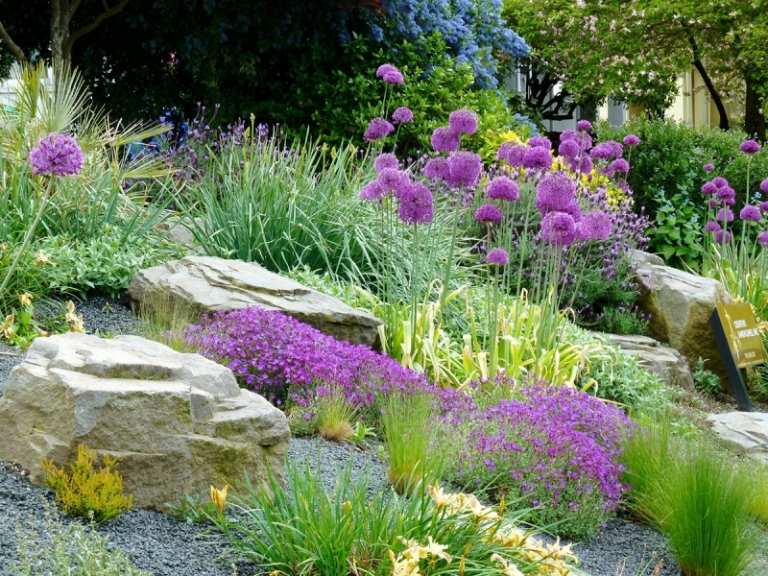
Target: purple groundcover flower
pixel 513 154
pixel 537 158
pixel 378 128
pixel 750 213
pixel 750 147
pixel 402 115
pixel 56 155
pixel 372 191
pixel 497 257
pixel 540 142
pixel 584 125
pixel 558 229
pixel 489 214
pixel 464 169
pixel 437 169
pixel 595 225
pixel 764 186
pixel 723 236
pixel 569 149
pixel 724 215
pixel 444 140
pixel 463 122
pixel 386 160
pixel 712 226
pixel 556 192
pixel 709 167
pixel 503 188
pixel 631 140
pixel 416 204
pixel 762 238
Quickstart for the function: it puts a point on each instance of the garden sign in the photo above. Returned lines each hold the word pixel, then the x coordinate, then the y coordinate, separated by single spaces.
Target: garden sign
pixel 738 338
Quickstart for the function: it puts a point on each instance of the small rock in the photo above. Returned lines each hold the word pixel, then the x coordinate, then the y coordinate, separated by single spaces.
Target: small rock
pixel 747 431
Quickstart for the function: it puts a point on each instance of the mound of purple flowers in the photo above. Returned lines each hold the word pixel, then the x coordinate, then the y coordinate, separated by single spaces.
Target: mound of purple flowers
pixel 556 448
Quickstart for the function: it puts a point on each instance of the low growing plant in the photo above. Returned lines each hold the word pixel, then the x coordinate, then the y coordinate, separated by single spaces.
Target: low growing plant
pixel 334 415
pixel 705 380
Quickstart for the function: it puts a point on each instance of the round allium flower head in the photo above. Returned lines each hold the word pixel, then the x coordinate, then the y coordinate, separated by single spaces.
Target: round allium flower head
pixel 512 153
pixel 463 121
pixel 537 158
pixel 764 186
pixel 540 142
pixel 558 228
pixel 631 140
pixel 763 238
pixel 569 149
pixel 764 206
pixel 393 180
pixel 720 182
pixel 724 215
pixel 464 169
pixel 416 206
pixel 372 191
pixel 709 167
pixel 386 160
pixel 402 115
pixel 723 236
pixel 497 257
pixel 437 169
pixel 711 226
pixel 390 74
pixel 444 140
pixel 378 128
pixel 584 165
pixel 503 188
pixel 568 135
pixel 556 192
pixel 708 188
pixel 618 165
pixel 750 213
pixel 489 214
pixel 385 69
pixel 726 194
pixel 595 226
pixel 750 147
pixel 56 155
pixel 605 151
pixel 584 125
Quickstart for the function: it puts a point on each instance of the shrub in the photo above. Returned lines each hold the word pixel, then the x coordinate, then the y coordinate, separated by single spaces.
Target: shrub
pixel 85 491
pixel 554 449
pixel 348 530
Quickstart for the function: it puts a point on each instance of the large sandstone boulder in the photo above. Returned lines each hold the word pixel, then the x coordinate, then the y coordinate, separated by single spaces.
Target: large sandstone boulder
pixel 680 305
pixel 176 422
pixel 212 284
pixel 746 431
pixel 667 363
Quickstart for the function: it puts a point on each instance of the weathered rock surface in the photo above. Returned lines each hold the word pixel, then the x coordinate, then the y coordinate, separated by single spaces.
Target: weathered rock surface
pixel 213 284
pixel 176 422
pixel 747 431
pixel 667 363
pixel 680 305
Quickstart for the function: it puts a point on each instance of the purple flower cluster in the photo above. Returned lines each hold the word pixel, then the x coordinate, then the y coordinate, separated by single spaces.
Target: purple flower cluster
pixel 56 155
pixel 448 138
pixel 378 128
pixel 556 448
pixel 390 74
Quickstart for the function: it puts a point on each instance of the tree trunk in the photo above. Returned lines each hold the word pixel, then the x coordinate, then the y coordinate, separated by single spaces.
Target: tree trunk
pixel 588 110
pixel 754 121
pixel 713 93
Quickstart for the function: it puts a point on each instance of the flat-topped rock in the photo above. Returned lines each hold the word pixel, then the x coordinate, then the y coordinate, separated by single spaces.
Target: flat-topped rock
pixel 212 284
pixel 667 363
pixel 747 431
pixel 176 422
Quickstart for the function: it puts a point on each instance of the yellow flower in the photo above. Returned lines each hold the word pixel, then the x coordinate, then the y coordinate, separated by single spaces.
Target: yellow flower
pixel 8 327
pixel 511 537
pixel 439 496
pixel 346 507
pixel 25 299
pixel 507 567
pixel 72 318
pixel 42 258
pixel 219 497
pixel 437 550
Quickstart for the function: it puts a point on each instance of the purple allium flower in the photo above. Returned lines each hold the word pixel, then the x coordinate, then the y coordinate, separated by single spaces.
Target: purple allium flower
pixel 402 115
pixel 378 128
pixel 723 236
pixel 437 169
pixel 386 160
pixel 584 125
pixel 372 191
pixel 385 69
pixel 750 213
pixel 540 142
pixel 464 169
pixel 56 155
pixel 720 182
pixel 393 180
pixel 568 135
pixel 764 186
pixel 488 214
pixel 595 225
pixel 762 238
pixel 416 206
pixel 558 228
pixel 618 165
pixel 556 192
pixel 444 140
pixel 537 158
pixel 713 202
pixel 724 215
pixel 764 206
pixel 569 149
pixel 708 188
pixel 726 194
pixel 512 153
pixel 497 257
pixel 503 188
pixel 462 121
pixel 603 151
pixel 750 147
pixel 390 74
pixel 631 140
pixel 584 165
pixel 709 167
pixel 712 226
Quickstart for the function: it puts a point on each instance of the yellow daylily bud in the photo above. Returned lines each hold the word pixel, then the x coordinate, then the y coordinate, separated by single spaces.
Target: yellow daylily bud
pixel 219 497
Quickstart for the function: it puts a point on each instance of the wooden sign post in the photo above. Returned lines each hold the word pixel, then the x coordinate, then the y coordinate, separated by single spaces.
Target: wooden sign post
pixel 740 345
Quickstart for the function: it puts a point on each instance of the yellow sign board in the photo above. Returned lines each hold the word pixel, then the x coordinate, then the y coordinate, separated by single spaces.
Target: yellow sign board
pixel 743 333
